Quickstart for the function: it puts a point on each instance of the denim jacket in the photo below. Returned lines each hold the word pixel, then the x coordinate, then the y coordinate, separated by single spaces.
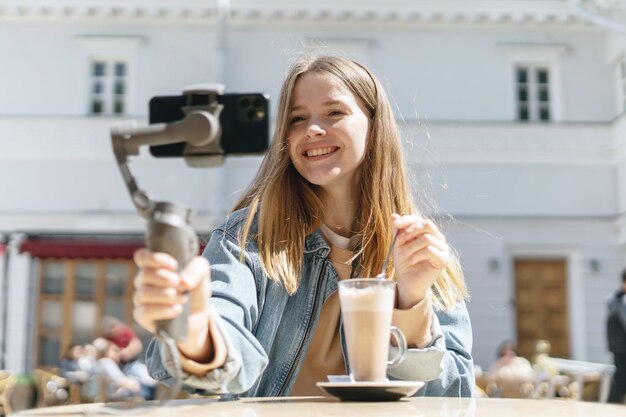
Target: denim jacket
pixel 267 331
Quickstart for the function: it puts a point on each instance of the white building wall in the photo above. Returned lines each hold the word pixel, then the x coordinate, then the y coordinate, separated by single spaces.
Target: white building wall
pixel 528 190
pixel 619 133
pixel 67 166
pixel 53 66
pixel 473 73
pixel 488 249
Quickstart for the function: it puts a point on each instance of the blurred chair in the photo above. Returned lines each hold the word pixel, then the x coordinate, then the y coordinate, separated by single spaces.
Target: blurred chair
pixel 53 389
pixel 566 378
pixel 584 376
pixel 19 392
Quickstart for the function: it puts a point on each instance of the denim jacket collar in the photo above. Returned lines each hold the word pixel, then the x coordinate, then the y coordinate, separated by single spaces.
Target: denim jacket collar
pixel 316 244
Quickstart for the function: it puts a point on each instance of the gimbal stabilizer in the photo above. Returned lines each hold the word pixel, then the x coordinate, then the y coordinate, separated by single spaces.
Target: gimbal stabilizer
pixel 168 228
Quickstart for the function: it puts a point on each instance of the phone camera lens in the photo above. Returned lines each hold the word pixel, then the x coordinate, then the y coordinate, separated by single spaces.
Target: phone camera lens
pixel 244 103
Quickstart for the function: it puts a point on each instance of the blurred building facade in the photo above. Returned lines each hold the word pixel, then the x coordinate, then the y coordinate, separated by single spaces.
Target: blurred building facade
pixel 512 113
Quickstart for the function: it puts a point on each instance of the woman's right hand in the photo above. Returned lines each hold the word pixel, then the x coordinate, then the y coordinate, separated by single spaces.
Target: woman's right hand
pixel 161 291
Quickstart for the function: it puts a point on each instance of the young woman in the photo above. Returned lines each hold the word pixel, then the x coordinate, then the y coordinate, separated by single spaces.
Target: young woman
pixel 325 205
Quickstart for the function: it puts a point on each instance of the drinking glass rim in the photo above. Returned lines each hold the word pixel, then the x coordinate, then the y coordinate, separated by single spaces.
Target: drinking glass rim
pixel 354 282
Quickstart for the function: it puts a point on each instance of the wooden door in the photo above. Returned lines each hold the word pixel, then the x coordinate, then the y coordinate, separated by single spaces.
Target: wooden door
pixel 542 307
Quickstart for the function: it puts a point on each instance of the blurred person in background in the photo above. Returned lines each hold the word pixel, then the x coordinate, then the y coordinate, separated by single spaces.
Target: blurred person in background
pixel 512 376
pixel 616 335
pixel 123 336
pixel 71 365
pixel 130 348
pixel 118 385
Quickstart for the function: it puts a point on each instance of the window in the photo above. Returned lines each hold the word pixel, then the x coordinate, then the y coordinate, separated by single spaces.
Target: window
pixel 622 84
pixel 74 296
pixel 533 93
pixel 109 85
pixel 535 80
pixel 110 81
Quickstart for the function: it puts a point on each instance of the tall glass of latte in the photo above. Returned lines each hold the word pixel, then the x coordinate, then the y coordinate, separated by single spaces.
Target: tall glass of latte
pixel 366 310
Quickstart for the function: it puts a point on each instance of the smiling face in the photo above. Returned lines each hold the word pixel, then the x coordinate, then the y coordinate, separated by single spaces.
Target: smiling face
pixel 327 132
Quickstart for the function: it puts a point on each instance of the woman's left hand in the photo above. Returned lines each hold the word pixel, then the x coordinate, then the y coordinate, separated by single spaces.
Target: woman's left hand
pixel 420 254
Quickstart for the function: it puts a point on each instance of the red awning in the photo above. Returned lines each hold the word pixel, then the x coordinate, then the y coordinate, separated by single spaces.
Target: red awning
pixel 80 248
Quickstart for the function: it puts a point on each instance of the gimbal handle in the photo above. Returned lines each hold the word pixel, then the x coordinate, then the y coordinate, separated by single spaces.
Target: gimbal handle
pixel 168 229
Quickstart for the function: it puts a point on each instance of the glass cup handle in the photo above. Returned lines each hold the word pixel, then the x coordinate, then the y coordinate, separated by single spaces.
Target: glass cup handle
pixel 401 343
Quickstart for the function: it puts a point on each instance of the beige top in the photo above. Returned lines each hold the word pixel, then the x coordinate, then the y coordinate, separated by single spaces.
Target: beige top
pixel 324 355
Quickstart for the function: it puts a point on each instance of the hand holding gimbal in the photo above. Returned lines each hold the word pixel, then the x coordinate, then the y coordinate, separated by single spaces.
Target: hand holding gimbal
pixel 202 125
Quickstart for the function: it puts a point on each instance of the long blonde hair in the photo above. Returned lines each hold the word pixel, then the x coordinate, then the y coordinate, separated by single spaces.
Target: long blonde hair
pixel 289 207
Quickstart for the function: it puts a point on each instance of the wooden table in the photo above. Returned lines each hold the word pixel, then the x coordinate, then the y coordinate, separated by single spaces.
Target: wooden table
pixel 328 407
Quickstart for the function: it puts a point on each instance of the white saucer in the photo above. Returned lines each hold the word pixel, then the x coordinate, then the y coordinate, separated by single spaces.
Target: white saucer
pixel 371 391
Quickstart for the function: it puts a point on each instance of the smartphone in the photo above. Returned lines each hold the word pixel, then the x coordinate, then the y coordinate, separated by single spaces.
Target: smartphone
pixel 244 121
